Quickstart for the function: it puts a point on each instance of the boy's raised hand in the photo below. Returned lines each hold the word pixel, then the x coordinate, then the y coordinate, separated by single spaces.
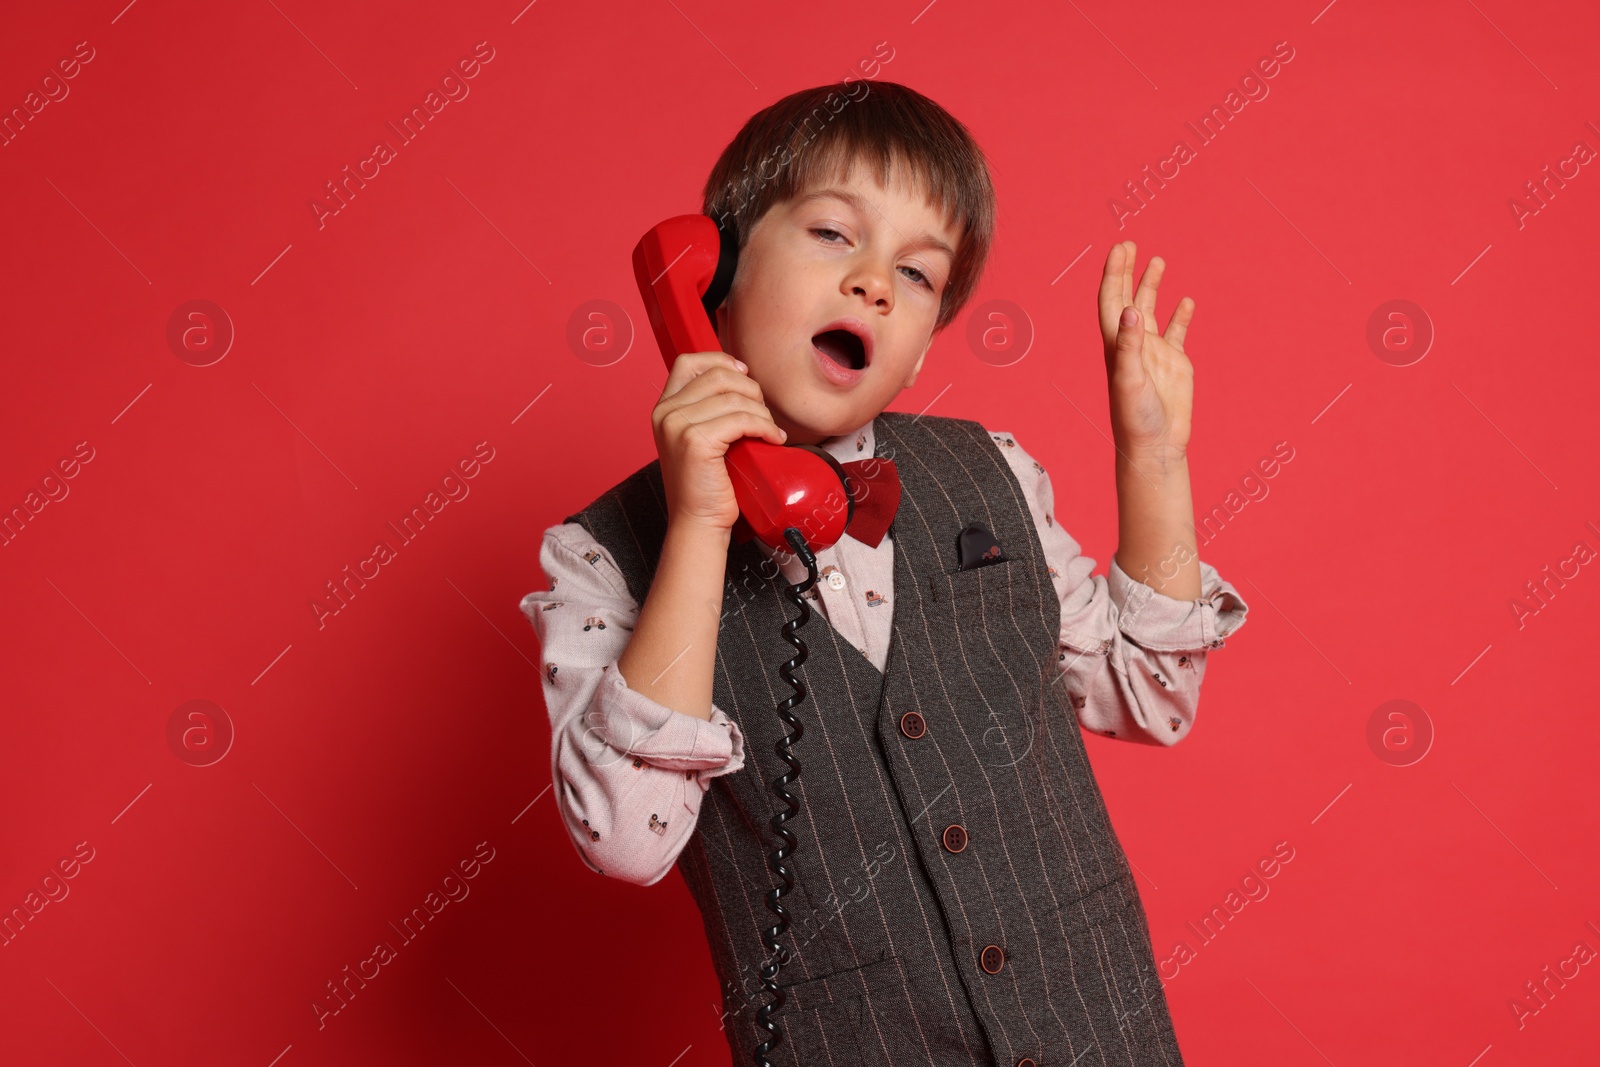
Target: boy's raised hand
pixel 1150 376
pixel 709 402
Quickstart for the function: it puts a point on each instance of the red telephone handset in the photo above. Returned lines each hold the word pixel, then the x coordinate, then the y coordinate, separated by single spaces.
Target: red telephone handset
pixel 684 267
pixel 787 494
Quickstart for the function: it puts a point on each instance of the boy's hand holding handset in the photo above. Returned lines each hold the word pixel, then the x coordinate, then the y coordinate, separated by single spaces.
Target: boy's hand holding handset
pixel 709 402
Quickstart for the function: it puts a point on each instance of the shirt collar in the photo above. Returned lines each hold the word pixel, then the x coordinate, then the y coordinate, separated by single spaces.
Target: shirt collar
pixel 847 447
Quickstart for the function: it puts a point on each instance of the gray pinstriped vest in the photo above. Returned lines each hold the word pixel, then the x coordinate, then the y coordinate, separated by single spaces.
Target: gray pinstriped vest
pixel 961 896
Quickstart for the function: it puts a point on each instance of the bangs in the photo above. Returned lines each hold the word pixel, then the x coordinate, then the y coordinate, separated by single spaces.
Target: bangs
pixel 810 140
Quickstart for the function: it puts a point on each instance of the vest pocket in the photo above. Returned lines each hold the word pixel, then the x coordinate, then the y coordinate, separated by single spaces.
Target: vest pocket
pixel 818 1037
pixel 1106 957
pixel 960 585
pixel 821 1017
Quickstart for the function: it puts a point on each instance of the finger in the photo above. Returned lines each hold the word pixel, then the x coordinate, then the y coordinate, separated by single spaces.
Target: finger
pixel 699 361
pixel 692 364
pixel 1144 298
pixel 684 414
pixel 1126 357
pixel 704 413
pixel 734 425
pixel 1178 325
pixel 693 427
pixel 717 379
pixel 1110 297
pixel 1130 253
pixel 720 379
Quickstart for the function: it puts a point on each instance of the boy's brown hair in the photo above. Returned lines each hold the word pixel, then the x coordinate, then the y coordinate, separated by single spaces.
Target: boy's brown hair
pixel 796 144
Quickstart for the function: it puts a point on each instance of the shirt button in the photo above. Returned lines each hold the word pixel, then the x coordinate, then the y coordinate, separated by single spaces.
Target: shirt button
pixel 912 725
pixel 992 959
pixel 836 581
pixel 955 837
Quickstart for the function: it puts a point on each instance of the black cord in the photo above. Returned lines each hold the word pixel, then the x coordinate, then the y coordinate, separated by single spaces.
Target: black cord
pixel 769 970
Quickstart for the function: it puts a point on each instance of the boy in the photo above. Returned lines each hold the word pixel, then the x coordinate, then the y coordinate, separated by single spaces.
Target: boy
pixel 960 895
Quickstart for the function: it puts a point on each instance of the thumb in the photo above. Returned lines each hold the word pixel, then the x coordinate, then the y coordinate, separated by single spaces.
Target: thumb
pixel 1130 340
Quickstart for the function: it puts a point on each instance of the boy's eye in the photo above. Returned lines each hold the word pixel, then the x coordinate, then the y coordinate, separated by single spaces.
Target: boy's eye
pixel 920 278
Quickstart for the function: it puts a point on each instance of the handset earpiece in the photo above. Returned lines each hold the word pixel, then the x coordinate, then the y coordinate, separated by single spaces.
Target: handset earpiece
pixel 727 266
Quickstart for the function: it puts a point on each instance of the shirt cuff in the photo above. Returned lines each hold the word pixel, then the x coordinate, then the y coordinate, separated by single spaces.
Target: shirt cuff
pixel 1160 623
pixel 662 737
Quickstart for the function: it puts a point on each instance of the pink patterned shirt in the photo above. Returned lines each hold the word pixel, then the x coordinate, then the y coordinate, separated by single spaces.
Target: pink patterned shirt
pixel 629 773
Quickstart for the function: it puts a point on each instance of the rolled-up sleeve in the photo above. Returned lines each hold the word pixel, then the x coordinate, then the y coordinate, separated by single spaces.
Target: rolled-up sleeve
pixel 1132 658
pixel 629 773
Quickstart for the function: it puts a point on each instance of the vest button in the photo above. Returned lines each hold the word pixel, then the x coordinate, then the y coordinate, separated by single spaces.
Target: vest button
pixel 912 725
pixel 955 837
pixel 1026 1061
pixel 992 959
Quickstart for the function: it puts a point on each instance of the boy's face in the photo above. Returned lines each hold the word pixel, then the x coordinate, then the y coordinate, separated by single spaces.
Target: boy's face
pixel 849 251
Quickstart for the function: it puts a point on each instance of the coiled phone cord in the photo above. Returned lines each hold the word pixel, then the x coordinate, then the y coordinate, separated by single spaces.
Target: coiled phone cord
pixel 769 970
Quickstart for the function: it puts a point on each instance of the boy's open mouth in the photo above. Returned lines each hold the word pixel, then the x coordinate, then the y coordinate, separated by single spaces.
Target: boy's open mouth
pixel 843 347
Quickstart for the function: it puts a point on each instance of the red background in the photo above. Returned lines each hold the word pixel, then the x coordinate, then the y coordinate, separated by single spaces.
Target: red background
pixel 374 753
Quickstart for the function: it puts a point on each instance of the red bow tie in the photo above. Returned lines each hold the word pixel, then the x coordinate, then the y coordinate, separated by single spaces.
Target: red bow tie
pixel 875 487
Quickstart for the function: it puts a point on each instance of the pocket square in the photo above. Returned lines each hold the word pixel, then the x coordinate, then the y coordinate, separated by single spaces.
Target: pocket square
pixel 976 547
